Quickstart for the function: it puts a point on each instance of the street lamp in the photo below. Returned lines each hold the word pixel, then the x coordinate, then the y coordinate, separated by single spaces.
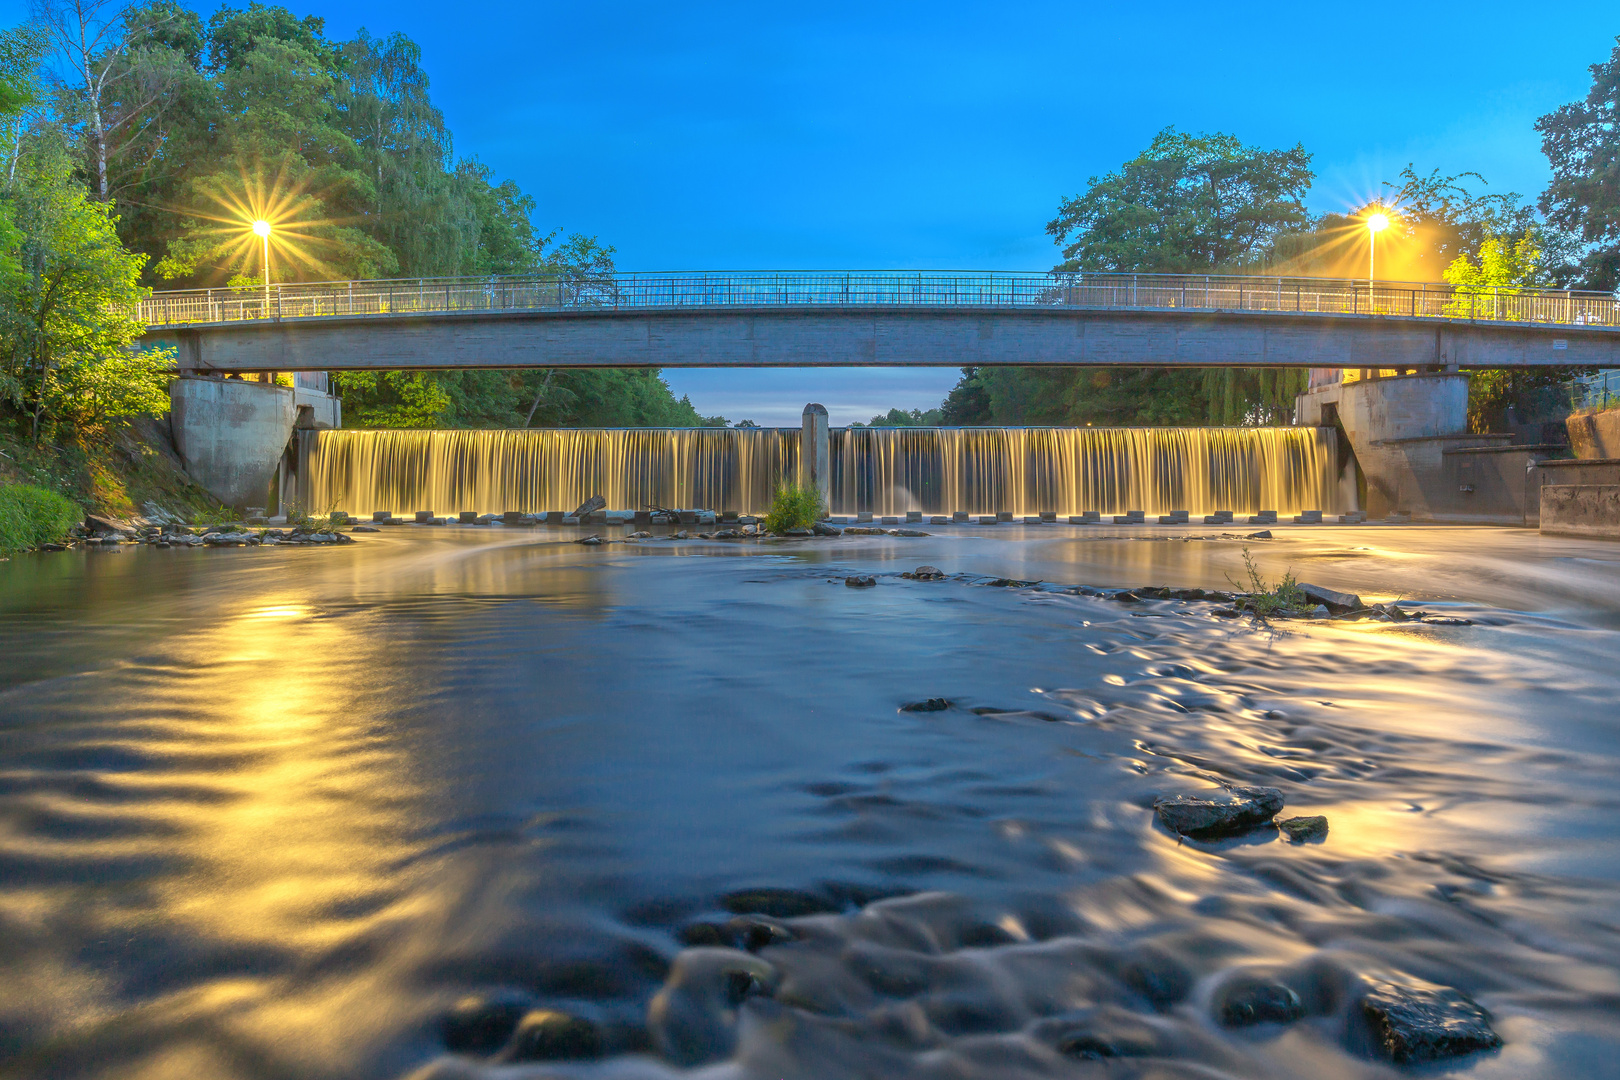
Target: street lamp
pixel 261 229
pixel 1376 223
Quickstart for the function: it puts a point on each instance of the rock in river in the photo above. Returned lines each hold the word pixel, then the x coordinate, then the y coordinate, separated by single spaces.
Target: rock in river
pixel 1254 999
pixel 1410 1024
pixel 925 573
pixel 1336 602
pixel 1301 829
pixel 933 704
pixel 482 1023
pixel 549 1035
pixel 860 581
pixel 1201 818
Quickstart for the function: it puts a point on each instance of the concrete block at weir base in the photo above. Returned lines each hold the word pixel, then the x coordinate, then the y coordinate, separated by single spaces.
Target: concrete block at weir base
pixel 863 516
pixel 1090 517
pixel 1004 515
pixel 913 517
pixel 1174 517
pixel 1264 517
pixel 960 517
pixel 1049 516
pixel 381 515
pixel 1354 517
pixel 1589 510
pixel 1308 517
pixel 1219 517
pixel 1032 519
pixel 891 521
pixel 1131 517
pixel 939 519
pixel 987 519
pixel 468 517
pixel 424 517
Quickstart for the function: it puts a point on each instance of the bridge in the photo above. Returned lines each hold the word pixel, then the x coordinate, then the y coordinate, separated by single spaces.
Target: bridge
pixel 888 319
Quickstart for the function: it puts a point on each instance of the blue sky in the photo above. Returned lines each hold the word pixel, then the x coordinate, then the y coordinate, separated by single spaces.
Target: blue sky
pixel 941 135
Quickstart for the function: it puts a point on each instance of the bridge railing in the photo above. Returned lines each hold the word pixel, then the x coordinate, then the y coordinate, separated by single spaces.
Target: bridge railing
pixel 684 291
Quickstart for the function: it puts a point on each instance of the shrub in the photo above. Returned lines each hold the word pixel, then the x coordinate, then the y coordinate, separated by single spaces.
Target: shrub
pixel 793 507
pixel 30 516
pixel 1266 601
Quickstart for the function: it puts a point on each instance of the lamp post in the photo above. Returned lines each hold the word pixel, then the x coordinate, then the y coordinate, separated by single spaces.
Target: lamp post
pixel 1376 223
pixel 261 229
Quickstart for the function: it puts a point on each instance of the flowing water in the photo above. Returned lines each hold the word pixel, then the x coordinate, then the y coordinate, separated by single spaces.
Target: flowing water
pixel 271 813
pixel 882 470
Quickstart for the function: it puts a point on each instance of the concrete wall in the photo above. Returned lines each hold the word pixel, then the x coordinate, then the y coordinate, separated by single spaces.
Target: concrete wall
pixel 230 434
pixel 1590 510
pixel 1581 497
pixel 794 336
pixel 1595 435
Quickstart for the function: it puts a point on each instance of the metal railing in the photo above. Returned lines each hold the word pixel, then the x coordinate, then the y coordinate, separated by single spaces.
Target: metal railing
pixel 684 291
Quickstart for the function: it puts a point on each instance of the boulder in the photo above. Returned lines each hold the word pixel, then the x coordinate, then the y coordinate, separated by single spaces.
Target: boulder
pixel 1205 818
pixel 590 541
pixel 860 581
pixel 925 573
pixel 933 704
pixel 821 529
pixel 1411 1024
pixel 1336 602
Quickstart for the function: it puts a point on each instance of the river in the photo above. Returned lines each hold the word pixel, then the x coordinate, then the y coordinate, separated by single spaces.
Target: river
pixel 273 812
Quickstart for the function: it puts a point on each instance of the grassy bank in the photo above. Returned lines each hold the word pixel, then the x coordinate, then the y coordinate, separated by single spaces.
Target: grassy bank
pixel 127 471
pixel 30 516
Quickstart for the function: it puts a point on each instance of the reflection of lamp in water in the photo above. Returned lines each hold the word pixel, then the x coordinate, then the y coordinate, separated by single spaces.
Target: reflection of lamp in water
pixel 1377 222
pixel 261 229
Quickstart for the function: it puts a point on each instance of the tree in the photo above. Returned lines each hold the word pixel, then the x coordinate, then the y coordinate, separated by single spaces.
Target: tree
pixel 1582 144
pixel 69 324
pixel 1187 203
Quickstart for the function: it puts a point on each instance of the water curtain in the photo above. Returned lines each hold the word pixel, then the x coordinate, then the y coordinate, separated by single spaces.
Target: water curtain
pixel 882 470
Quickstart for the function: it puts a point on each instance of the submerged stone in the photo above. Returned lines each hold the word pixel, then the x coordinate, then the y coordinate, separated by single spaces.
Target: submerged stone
pixel 860 581
pixel 482 1023
pixel 1204 818
pixel 1247 1000
pixel 925 573
pixel 933 704
pixel 1301 829
pixel 1410 1024
pixel 549 1035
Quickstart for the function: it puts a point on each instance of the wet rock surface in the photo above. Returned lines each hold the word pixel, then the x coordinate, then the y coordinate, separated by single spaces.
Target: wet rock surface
pixel 1304 829
pixel 933 704
pixel 1241 810
pixel 1414 1024
pixel 1246 1000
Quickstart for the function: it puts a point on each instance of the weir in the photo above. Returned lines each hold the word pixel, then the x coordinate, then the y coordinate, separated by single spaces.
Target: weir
pixel 877 470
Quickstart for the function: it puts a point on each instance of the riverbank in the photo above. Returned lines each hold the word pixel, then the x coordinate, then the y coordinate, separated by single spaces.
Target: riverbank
pixel 280 813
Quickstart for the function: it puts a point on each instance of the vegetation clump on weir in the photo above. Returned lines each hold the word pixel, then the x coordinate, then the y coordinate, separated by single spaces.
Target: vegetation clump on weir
pixel 794 508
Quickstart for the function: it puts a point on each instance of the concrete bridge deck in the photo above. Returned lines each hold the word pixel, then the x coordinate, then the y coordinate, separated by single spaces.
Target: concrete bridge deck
pixel 888 319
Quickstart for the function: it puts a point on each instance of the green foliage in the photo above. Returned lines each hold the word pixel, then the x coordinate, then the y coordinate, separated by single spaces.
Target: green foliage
pixel 1265 601
pixel 67 327
pixel 901 418
pixel 1186 203
pixel 1582 144
pixel 794 507
pixel 30 516
pixel 1111 397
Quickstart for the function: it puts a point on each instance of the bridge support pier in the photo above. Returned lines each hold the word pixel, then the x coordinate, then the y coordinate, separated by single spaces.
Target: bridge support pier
pixel 815 463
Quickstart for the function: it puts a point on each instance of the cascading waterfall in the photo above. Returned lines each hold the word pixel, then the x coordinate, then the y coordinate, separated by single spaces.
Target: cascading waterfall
pixel 882 470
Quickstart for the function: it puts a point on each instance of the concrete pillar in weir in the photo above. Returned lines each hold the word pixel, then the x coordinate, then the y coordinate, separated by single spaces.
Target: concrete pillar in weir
pixel 815 468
